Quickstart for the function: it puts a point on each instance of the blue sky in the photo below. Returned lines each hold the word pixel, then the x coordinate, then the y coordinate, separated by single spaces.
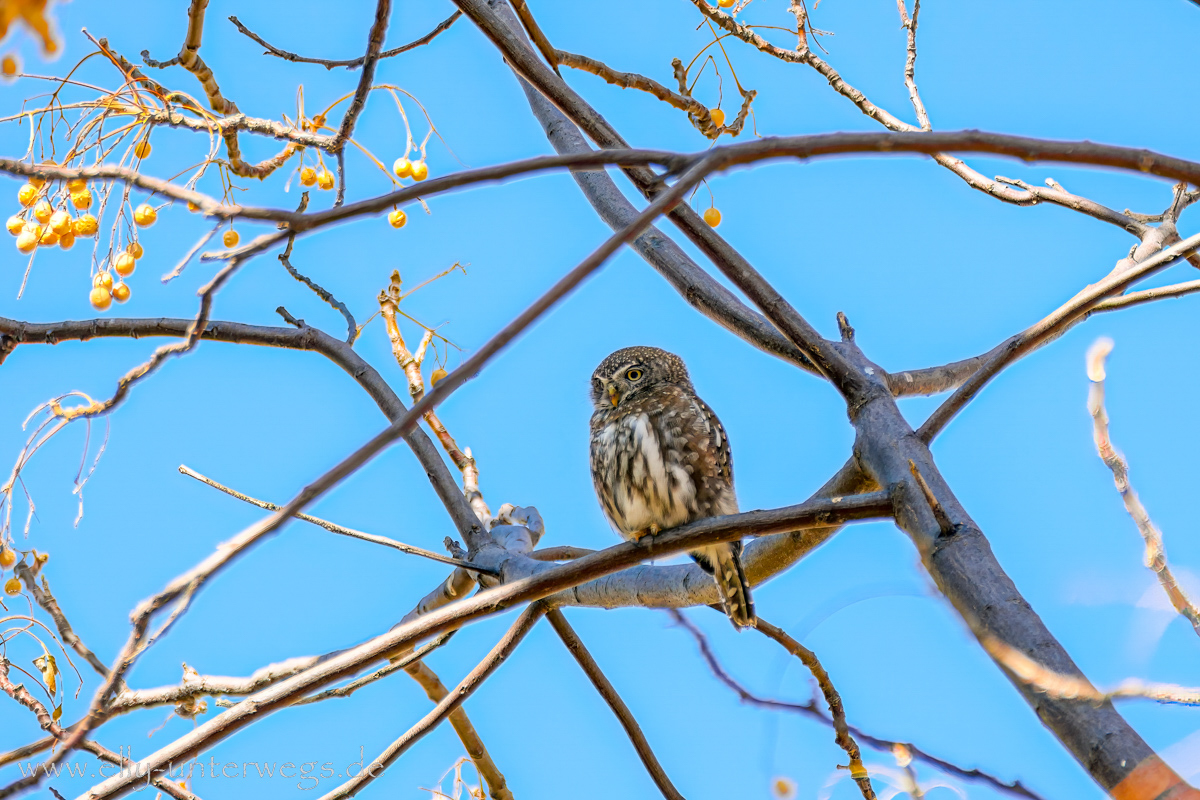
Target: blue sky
pixel 928 271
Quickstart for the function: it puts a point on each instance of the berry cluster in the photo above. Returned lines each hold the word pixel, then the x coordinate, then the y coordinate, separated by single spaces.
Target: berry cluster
pixel 45 220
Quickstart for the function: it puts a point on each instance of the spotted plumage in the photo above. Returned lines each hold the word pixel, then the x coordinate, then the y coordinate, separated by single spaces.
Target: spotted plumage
pixel 660 458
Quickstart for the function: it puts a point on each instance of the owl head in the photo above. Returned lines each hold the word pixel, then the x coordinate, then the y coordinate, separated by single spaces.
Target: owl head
pixel 634 371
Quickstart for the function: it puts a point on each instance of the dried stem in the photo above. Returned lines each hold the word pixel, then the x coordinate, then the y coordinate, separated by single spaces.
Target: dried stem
pixel 1156 555
pixel 1070 687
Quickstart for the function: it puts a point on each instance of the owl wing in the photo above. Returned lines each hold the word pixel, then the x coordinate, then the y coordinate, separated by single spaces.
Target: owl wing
pixel 717 481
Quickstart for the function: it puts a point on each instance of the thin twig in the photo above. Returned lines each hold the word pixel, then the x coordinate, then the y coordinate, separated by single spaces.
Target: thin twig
pixel 1069 687
pixel 843 737
pixel 811 711
pixel 1049 328
pixel 353 63
pixel 43 597
pixel 436 691
pixel 404 663
pixel 383 10
pixel 451 701
pixel 609 693
pixel 1156 554
pixel 333 527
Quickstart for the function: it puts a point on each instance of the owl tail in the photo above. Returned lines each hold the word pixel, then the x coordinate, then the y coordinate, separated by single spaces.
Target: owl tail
pixel 724 561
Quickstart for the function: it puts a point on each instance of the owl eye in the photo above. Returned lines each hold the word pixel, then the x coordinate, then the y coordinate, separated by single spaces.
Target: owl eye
pixel 633 375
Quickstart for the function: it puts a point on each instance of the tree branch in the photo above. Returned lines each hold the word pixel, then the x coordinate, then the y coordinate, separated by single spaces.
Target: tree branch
pixel 445 706
pixel 811 711
pixel 353 63
pixel 844 738
pixel 546 580
pixel 333 527
pixel 607 691
pixel 1156 554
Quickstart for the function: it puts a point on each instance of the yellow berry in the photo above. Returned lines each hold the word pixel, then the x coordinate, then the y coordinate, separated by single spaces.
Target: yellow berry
pixel 86 225
pixel 104 279
pixel 76 185
pixel 718 116
pixel 325 179
pixel 14 225
pixel 36 182
pixel 134 249
pixel 49 239
pixel 124 264
pixel 308 176
pixel 27 194
pixel 66 240
pixel 403 167
pixel 420 171
pixel 712 217
pixel 120 292
pixel 43 211
pixel 397 218
pixel 60 222
pixel 436 376
pixel 10 65
pixel 230 238
pixel 142 149
pixel 100 298
pixel 27 241
pixel 145 215
pixel 8 557
pixel 12 587
pixel 192 207
pixel 82 199
pixel 726 3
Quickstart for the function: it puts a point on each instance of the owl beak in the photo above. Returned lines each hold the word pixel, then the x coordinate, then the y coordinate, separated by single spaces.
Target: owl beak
pixel 612 395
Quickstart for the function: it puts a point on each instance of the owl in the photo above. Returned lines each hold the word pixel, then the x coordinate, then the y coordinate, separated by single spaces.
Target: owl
pixel 660 458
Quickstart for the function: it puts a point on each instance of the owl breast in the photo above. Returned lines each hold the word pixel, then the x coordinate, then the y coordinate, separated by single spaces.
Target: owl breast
pixel 643 481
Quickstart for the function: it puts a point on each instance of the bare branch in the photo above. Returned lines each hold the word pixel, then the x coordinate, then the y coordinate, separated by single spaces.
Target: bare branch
pixel 45 719
pixel 910 63
pixel 1147 296
pixel 1156 554
pixel 843 737
pixel 610 695
pixel 811 711
pixel 1049 328
pixel 339 529
pixel 353 63
pixel 14 333
pixel 43 597
pixel 408 662
pixel 546 581
pixel 321 292
pixel 480 757
pixel 1070 687
pixel 383 10
pixel 445 706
